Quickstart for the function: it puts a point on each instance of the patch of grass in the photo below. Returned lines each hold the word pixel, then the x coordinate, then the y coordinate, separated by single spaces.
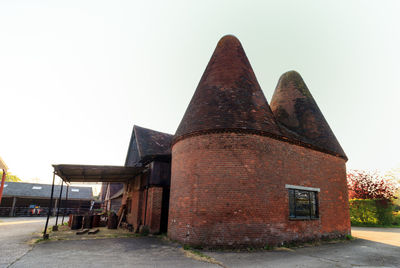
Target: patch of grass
pixel 121 235
pixel 268 247
pixel 195 252
pixel 49 230
pixel 199 256
pixel 144 230
pixel 163 236
pixel 349 237
pixel 40 240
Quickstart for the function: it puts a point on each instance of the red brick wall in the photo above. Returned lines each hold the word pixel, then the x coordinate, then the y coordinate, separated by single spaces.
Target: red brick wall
pixel 154 203
pixel 228 189
pixel 136 195
pixel 132 217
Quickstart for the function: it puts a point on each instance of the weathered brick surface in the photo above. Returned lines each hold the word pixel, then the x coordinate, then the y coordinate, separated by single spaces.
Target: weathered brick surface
pixel 228 189
pixel 136 195
pixel 154 203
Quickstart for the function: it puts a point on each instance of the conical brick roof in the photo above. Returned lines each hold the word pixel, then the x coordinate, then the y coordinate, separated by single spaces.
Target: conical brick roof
pixel 299 117
pixel 228 95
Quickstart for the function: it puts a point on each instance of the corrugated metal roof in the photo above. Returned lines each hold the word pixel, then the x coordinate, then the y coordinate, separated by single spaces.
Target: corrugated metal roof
pixel 92 173
pixel 23 189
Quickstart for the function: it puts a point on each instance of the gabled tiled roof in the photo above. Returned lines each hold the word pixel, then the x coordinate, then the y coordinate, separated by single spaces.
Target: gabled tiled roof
pixel 228 95
pixel 146 144
pixel 299 117
pixel 22 189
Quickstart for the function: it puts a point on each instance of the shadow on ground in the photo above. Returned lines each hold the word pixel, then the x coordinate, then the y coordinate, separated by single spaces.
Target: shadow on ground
pixel 155 252
pixel 356 253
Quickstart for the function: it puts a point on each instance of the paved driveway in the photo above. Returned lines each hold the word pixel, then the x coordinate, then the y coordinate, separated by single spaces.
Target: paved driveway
pixel 357 253
pixel 374 247
pixel 154 252
pixel 390 236
pixel 14 235
pixel 114 252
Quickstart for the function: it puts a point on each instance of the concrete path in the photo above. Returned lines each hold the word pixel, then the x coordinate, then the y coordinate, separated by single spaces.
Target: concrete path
pixel 111 252
pixel 14 235
pixel 154 252
pixel 390 236
pixel 357 253
pixel 374 247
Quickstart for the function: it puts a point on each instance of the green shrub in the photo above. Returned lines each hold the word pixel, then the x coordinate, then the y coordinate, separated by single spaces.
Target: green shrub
pixel 396 218
pixel 371 212
pixel 384 212
pixel 363 211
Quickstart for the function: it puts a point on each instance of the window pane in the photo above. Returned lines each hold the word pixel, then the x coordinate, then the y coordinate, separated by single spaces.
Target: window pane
pixel 313 196
pixel 302 203
pixel 291 204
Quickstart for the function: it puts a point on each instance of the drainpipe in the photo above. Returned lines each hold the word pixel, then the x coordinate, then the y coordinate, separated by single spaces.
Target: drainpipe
pixel 3 179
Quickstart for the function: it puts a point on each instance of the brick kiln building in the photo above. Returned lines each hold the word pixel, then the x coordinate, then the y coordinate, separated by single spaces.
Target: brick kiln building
pixel 238 171
pixel 247 173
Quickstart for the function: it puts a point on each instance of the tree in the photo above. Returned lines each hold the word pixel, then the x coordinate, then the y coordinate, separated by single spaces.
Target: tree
pixel 394 174
pixel 10 177
pixel 370 185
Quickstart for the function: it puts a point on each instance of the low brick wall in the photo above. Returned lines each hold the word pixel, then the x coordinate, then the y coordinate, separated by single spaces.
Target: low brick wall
pixel 228 190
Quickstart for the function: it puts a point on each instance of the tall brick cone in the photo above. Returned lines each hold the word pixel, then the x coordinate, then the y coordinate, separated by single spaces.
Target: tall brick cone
pixel 228 95
pixel 299 116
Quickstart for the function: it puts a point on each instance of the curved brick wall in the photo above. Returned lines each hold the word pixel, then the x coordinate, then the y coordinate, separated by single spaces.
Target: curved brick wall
pixel 228 189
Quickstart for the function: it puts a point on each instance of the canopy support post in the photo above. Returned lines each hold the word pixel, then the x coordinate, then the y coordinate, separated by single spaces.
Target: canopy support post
pixel 45 234
pixel 66 204
pixel 55 227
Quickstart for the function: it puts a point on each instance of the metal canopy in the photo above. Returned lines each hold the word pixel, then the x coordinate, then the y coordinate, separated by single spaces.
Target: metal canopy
pixel 92 173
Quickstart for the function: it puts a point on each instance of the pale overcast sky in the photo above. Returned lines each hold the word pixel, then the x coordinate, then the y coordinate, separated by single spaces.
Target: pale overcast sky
pixel 76 75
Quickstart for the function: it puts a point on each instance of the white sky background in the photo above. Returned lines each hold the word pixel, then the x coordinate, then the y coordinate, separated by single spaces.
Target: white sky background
pixel 76 75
